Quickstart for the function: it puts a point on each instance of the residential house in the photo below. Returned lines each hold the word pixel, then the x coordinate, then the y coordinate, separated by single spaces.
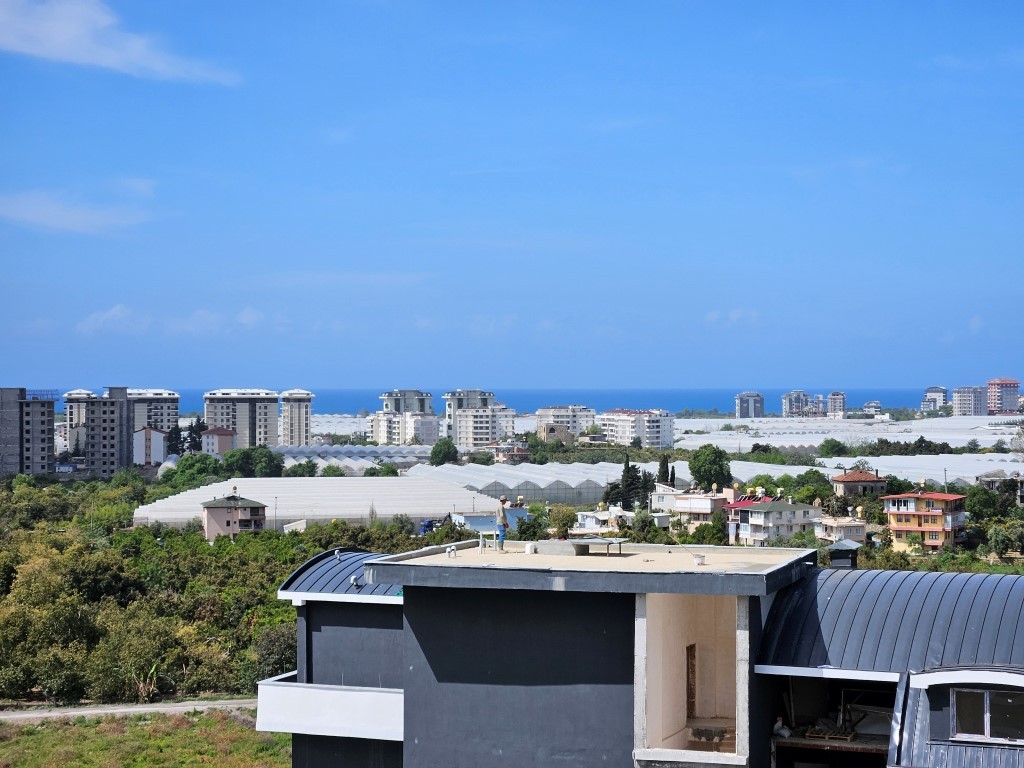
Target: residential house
pixel 858 482
pixel 232 514
pixel 828 528
pixel 937 518
pixel 776 519
pixel 217 441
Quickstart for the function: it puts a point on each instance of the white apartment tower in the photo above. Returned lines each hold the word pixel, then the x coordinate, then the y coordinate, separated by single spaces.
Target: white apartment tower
pixel 970 401
pixel 156 408
pixel 463 398
pixel 576 419
pixel 296 410
pixel 390 428
pixel 26 431
pixel 654 427
pixel 476 427
pixel 406 401
pixel 836 404
pixel 934 399
pixel 252 413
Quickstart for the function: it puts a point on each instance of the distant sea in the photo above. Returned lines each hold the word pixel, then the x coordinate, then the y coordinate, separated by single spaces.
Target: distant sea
pixel 352 401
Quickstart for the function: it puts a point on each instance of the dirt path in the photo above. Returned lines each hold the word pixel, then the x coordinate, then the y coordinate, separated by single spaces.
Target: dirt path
pixel 47 713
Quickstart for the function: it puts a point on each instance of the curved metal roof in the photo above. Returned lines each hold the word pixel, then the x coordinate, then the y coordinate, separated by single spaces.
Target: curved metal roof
pixel 895 621
pixel 330 576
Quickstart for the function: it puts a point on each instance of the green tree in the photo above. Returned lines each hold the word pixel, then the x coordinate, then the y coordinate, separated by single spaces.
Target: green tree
pixel 307 468
pixel 831 447
pixel 972 446
pixel 710 465
pixel 444 452
pixel 563 517
pixel 980 503
pixel 175 441
pixel 332 470
pixel 663 469
pixel 383 469
pixel 194 435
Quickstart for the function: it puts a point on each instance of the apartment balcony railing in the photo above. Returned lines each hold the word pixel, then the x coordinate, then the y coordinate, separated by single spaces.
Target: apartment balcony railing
pixel 286 706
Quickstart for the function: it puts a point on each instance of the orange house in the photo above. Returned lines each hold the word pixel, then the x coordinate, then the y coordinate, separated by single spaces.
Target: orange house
pixel 938 518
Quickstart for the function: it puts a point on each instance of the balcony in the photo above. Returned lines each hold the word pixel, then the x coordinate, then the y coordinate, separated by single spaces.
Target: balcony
pixel 286 706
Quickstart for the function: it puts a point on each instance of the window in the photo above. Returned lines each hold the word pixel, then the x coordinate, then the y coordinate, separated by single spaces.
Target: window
pixel 987 714
pixel 933 535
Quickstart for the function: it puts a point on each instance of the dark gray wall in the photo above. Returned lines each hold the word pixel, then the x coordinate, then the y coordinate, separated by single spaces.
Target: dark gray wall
pixel 518 678
pixel 331 752
pixel 351 644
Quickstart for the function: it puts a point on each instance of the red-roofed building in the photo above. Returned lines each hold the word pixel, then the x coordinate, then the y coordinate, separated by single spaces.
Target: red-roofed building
pixel 938 518
pixel 859 482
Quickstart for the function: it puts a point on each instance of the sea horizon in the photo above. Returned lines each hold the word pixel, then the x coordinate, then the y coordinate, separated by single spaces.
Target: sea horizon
pixel 527 400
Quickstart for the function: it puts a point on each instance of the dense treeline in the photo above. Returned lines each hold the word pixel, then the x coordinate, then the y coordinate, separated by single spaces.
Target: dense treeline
pixel 88 610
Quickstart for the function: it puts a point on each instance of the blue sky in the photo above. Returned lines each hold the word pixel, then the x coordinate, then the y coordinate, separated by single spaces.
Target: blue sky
pixel 359 194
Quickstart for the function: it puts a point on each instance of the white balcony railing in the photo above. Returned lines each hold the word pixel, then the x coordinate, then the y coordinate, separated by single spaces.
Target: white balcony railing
pixel 286 706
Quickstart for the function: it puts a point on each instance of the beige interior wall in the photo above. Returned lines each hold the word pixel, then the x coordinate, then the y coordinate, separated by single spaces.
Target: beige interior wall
pixel 673 623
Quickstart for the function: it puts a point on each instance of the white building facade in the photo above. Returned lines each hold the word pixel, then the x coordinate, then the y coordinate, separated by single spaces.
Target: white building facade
pixel 296 410
pixel 252 413
pixel 157 408
pixel 576 419
pixel 476 427
pixel 463 398
pixel 404 428
pixel 654 428
pixel 970 401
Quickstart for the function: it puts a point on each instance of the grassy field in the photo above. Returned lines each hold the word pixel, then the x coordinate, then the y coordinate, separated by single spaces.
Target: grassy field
pixel 200 738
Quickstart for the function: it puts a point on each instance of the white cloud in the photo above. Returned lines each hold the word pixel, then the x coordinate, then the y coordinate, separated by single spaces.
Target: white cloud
pixel 144 188
pixel 731 317
pixel 88 32
pixel 249 317
pixel 43 209
pixel 117 319
pixel 201 322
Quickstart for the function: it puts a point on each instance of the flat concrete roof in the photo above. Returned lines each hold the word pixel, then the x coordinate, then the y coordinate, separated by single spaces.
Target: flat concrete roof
pixel 640 568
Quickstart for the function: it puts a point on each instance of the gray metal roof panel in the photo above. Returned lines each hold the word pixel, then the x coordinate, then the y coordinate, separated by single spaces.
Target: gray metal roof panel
pixel 330 573
pixel 888 621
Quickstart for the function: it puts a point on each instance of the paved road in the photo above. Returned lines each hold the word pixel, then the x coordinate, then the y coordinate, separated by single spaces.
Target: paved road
pixel 48 713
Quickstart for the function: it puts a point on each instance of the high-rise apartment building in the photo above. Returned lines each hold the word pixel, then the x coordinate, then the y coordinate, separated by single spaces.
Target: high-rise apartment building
pixel 575 419
pixel 799 403
pixel 749 405
pixel 970 401
pixel 407 401
pixel 836 404
pixel 463 398
pixel 252 413
pixel 296 411
pixel 26 431
pixel 156 408
pixel 109 429
pixel 75 407
pixel 391 428
pixel 934 399
pixel 655 428
pixel 476 427
pixel 1003 395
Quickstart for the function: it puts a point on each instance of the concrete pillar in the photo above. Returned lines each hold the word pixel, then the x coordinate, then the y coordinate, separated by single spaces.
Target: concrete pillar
pixel 742 675
pixel 640 673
